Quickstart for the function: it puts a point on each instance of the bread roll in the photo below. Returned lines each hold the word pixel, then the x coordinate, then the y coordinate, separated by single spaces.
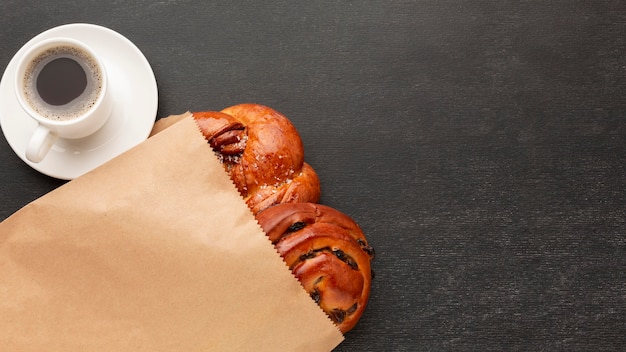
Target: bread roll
pixel 263 153
pixel 328 253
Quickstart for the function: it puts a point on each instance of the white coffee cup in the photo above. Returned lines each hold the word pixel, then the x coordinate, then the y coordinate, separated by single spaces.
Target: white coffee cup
pixel 62 84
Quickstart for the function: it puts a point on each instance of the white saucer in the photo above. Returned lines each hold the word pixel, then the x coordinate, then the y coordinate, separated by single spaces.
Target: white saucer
pixel 134 91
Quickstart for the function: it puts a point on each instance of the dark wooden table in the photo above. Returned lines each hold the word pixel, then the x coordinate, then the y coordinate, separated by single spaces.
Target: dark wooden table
pixel 480 145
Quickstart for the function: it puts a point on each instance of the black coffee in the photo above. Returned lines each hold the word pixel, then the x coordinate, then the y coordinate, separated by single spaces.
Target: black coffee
pixel 62 83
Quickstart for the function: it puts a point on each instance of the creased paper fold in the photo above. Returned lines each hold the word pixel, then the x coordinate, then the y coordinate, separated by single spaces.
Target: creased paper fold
pixel 153 251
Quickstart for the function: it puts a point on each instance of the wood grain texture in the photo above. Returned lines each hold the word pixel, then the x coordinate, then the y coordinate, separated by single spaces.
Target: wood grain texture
pixel 479 144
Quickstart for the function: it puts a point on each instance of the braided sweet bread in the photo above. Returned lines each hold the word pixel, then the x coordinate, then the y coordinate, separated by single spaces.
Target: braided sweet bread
pixel 263 153
pixel 328 253
pixel 325 249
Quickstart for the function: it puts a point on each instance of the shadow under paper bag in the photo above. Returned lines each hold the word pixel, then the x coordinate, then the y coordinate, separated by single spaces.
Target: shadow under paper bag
pixel 154 250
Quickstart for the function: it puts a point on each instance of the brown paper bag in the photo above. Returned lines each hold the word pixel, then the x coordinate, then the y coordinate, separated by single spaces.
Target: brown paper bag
pixel 153 251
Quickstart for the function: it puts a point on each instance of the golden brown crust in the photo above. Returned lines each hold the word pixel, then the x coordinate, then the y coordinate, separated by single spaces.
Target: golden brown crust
pixel 263 153
pixel 328 252
pixel 324 248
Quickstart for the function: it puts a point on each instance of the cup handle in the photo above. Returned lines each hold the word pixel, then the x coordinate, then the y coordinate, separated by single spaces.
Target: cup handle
pixel 40 144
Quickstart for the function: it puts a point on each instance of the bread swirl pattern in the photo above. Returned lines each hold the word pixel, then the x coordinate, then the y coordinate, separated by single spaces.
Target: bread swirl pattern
pixel 263 153
pixel 328 253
